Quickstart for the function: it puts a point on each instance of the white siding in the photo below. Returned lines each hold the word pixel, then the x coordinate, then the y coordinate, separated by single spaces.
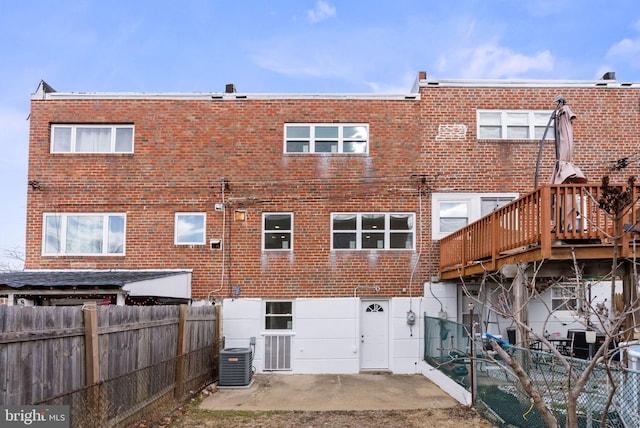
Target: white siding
pixel 405 339
pixel 326 334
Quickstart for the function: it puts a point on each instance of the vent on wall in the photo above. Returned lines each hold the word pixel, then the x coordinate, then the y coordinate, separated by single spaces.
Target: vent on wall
pixel 277 353
pixel 235 367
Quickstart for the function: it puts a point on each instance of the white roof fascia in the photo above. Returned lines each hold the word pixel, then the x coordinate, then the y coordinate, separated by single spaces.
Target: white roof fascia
pixel 527 83
pixel 185 270
pixel 199 96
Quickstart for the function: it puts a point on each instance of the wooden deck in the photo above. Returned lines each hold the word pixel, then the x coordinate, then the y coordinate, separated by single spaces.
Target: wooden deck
pixel 554 222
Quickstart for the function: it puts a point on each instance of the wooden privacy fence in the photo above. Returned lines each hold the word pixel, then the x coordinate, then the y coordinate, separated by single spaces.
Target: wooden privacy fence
pixel 108 362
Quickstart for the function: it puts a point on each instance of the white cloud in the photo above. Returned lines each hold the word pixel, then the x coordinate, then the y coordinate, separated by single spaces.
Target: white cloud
pixel 626 49
pixel 294 61
pixel 322 11
pixel 492 61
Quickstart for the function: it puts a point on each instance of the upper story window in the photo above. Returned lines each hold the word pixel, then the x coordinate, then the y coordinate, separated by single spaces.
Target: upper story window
pixel 452 211
pixel 83 234
pixel 369 231
pixel 277 231
pixel 513 124
pixel 326 138
pixel 91 138
pixel 190 228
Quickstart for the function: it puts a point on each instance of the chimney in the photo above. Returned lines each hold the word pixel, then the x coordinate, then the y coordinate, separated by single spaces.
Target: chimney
pixel 609 75
pixel 230 88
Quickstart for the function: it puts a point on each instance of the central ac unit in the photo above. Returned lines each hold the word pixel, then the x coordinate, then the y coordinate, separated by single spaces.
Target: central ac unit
pixel 235 367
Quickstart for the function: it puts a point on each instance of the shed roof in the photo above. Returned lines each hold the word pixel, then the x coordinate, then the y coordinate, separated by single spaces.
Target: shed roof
pixel 81 278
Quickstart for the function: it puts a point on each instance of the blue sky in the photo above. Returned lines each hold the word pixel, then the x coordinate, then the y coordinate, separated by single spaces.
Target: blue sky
pixel 288 46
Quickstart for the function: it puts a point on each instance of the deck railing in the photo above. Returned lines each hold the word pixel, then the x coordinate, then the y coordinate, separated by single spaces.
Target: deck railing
pixel 549 214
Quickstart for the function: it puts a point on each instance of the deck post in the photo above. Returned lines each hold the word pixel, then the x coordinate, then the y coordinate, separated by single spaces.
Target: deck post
pixel 495 237
pixel 544 222
pixel 463 251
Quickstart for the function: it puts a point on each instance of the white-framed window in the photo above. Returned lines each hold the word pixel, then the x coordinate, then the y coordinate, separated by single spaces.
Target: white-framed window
pixel 69 138
pixel 454 215
pixel 352 138
pixel 278 315
pixel 452 211
pixel 564 297
pixel 371 231
pixel 83 234
pixel 489 204
pixel 513 124
pixel 277 231
pixel 190 228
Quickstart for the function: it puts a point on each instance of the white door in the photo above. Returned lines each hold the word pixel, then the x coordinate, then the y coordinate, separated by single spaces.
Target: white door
pixel 374 335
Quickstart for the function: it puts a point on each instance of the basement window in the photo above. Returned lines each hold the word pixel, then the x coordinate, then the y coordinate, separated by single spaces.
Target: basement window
pixel 563 297
pixel 278 315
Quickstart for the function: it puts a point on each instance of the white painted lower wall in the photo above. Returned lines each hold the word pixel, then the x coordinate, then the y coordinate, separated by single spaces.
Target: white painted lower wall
pixel 326 333
pixel 444 298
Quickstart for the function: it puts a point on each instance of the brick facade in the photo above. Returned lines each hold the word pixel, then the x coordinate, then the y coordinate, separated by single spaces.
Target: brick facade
pixel 185 147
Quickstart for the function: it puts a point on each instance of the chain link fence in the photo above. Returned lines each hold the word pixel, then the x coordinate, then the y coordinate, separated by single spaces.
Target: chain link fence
pixel 500 395
pixel 146 393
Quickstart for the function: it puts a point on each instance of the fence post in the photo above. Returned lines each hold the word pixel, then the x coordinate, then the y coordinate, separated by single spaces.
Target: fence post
pixel 181 350
pixel 92 360
pixel 92 353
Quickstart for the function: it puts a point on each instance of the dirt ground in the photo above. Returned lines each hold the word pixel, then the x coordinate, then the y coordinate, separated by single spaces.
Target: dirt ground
pixel 192 417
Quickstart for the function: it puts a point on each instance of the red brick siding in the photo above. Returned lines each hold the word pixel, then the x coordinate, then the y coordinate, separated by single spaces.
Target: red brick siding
pixel 184 148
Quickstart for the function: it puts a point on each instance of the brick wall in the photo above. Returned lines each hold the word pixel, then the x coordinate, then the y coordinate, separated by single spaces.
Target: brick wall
pixel 184 148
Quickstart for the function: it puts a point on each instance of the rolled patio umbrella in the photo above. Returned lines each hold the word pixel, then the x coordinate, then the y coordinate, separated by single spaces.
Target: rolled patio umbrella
pixel 565 171
pixel 565 207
